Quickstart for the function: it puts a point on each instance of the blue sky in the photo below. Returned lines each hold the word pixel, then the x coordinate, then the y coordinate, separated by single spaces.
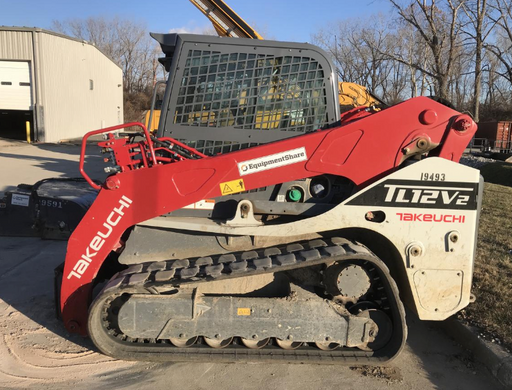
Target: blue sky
pixel 284 20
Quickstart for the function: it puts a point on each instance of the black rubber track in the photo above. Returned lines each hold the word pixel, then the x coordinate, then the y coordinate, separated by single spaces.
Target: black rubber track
pixel 143 278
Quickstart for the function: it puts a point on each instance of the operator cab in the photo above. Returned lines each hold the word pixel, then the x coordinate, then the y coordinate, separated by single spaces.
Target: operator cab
pixel 227 94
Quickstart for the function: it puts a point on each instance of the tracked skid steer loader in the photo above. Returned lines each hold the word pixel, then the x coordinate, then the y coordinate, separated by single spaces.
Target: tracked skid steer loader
pixel 259 224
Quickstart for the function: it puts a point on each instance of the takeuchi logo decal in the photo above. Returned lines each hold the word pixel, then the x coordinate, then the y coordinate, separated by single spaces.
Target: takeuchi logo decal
pixel 99 239
pixel 273 161
pixel 445 218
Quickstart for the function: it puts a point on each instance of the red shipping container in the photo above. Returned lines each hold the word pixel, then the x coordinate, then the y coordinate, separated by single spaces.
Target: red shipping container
pixel 498 133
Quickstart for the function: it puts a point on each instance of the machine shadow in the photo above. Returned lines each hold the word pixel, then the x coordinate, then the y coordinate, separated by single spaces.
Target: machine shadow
pixel 27 307
pixel 26 284
pixel 445 362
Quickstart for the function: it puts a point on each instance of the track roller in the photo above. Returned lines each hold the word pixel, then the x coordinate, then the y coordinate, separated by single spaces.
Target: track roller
pixel 289 344
pixel 327 346
pixel 214 343
pixel 184 342
pixel 255 344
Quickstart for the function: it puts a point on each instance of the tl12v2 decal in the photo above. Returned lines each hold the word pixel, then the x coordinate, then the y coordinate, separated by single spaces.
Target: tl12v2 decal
pixel 420 194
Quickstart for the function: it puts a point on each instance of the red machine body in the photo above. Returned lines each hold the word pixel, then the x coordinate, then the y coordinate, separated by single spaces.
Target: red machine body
pixel 362 150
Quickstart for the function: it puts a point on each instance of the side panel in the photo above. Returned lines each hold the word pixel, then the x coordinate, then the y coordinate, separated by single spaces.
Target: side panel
pixel 431 216
pixel 428 210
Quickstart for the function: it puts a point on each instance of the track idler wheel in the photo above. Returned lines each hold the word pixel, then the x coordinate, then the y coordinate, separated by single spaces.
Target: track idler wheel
pixel 384 328
pixel 255 344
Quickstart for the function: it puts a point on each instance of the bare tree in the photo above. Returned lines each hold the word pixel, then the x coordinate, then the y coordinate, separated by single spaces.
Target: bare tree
pixel 459 50
pixel 494 90
pixel 413 50
pixel 502 47
pixel 440 30
pixel 461 82
pixel 357 51
pixel 334 40
pixel 477 26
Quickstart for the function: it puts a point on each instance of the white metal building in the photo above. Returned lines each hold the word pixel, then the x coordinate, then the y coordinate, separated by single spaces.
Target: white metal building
pixel 63 86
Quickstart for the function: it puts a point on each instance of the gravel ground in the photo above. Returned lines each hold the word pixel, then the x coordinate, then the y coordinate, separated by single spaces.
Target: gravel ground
pixel 475 161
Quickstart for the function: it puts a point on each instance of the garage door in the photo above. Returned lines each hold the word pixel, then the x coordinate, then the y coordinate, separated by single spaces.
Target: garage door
pixel 15 90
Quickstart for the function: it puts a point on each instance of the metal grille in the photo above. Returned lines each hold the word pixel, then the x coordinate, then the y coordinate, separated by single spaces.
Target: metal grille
pixel 250 91
pixel 212 148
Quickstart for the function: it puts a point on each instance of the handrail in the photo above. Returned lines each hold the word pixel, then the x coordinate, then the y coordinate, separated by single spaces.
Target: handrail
pixel 153 102
pixel 108 130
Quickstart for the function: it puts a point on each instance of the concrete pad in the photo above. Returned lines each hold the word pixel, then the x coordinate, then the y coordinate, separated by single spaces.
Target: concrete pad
pixel 37 352
pixel 6 142
pixel 29 163
pixel 497 360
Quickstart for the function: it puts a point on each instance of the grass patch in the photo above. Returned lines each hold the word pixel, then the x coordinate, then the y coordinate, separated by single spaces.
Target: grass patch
pixel 492 283
pixel 498 173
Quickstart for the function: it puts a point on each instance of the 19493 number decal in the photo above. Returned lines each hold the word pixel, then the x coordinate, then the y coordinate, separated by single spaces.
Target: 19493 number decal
pixel 433 176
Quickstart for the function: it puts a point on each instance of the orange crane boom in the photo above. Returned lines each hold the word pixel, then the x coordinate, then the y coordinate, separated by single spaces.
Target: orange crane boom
pixel 226 22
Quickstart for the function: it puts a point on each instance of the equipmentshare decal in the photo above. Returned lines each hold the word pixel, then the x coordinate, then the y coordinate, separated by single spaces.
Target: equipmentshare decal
pixel 420 194
pixel 273 161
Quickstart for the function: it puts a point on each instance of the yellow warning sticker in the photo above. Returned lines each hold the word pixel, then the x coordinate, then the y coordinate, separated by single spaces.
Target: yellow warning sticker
pixel 232 187
pixel 243 311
